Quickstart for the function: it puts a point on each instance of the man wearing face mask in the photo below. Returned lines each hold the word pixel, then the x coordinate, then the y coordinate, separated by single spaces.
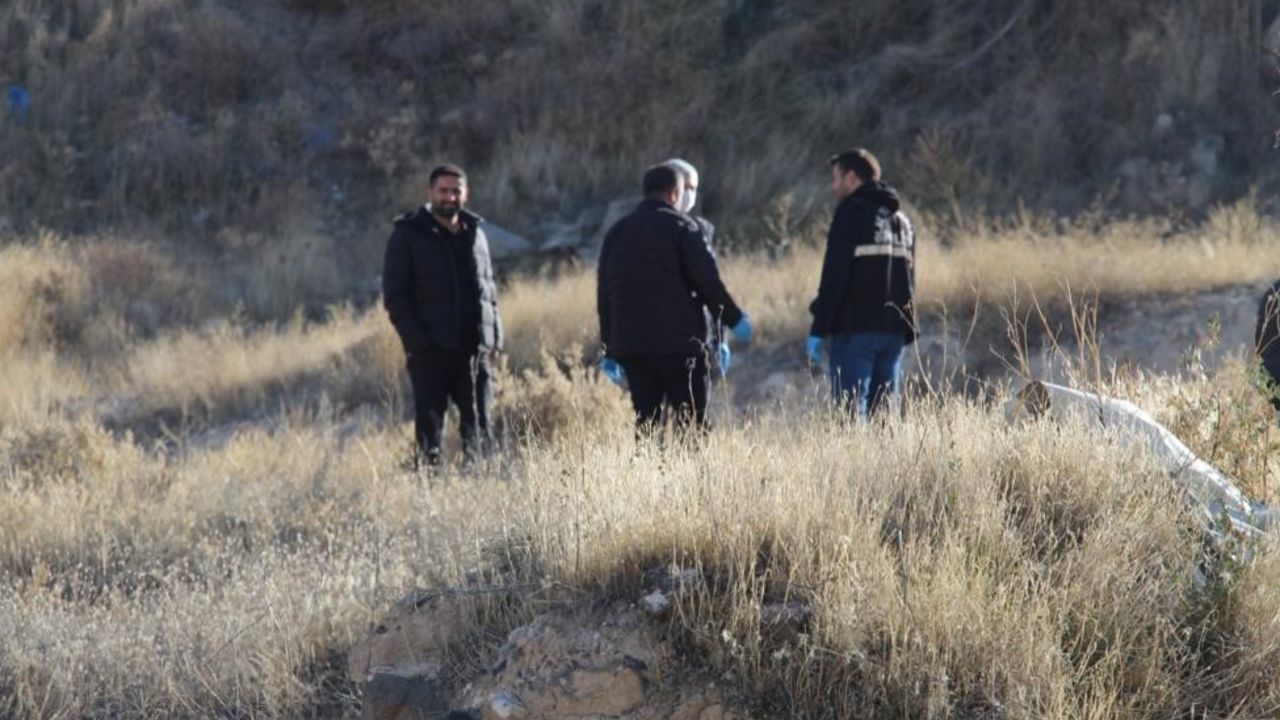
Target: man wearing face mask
pixel 438 288
pixel 717 337
pixel 655 278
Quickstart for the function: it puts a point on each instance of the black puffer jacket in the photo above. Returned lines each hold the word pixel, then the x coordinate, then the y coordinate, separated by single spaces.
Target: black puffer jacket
pixel 868 272
pixel 1266 335
pixel 656 275
pixel 438 287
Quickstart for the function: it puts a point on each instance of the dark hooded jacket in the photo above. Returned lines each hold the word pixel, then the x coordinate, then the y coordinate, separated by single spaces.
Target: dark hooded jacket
pixel 656 276
pixel 1266 335
pixel 868 272
pixel 438 287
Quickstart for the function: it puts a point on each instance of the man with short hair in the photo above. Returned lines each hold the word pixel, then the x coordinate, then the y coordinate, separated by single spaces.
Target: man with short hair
pixel 438 288
pixel 1266 340
pixel 717 337
pixel 864 315
pixel 655 276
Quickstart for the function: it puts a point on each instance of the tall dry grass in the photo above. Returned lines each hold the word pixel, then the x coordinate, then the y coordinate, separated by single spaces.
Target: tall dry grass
pixel 996 269
pixel 202 519
pixel 955 566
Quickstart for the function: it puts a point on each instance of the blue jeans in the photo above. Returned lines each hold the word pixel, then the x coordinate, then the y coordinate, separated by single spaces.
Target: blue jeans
pixel 866 369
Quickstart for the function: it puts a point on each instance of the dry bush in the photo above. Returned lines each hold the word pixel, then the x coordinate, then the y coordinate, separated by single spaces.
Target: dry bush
pixel 227 369
pixel 91 299
pixel 562 396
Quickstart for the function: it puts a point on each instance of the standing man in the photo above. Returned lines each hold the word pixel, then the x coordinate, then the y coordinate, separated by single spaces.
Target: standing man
pixel 717 337
pixel 656 275
pixel 438 288
pixel 864 314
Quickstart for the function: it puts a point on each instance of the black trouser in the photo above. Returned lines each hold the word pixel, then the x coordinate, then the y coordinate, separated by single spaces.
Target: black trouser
pixel 667 386
pixel 439 376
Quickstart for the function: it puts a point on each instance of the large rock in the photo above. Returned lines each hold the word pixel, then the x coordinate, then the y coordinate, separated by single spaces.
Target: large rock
pixel 560 666
pixel 612 662
pixel 504 243
pixel 412 640
pixel 615 211
pixel 393 695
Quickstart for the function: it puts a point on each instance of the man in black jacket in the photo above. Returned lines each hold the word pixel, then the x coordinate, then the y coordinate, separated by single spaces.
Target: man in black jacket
pixel 438 288
pixel 865 310
pixel 717 337
pixel 1266 339
pixel 656 275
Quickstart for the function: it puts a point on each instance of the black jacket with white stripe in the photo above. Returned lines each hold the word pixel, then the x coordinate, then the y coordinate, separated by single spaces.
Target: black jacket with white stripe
pixel 868 272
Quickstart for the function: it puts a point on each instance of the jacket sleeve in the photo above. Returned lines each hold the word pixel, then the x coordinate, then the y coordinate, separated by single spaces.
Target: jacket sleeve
pixel 397 294
pixel 602 294
pixel 837 267
pixel 703 273
pixel 499 336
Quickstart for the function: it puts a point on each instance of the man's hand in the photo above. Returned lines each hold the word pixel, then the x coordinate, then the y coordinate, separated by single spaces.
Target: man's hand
pixel 813 349
pixel 613 371
pixel 743 331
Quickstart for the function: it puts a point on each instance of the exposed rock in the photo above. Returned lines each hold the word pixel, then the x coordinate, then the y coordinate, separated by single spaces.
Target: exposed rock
pixel 790 613
pixel 393 695
pixel 503 705
pixel 785 622
pixel 602 663
pixel 674 579
pixel 564 666
pixel 700 707
pixel 1271 41
pixel 503 243
pixel 655 603
pixel 144 316
pixel 412 640
pixel 615 211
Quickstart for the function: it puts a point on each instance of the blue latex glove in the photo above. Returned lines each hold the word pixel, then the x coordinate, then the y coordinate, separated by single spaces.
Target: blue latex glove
pixel 743 331
pixel 613 370
pixel 813 348
pixel 726 358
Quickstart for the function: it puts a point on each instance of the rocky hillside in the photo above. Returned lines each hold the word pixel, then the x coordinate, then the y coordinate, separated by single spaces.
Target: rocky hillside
pixel 219 122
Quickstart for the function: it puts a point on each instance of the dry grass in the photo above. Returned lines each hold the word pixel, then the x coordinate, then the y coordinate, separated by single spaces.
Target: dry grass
pixel 222 559
pixel 995 267
pixel 957 567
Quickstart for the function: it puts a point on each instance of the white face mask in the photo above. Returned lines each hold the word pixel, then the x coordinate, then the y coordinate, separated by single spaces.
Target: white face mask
pixel 688 198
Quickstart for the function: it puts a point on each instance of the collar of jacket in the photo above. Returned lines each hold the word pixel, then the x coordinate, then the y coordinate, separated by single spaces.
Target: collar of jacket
pixel 654 204
pixel 423 219
pixel 876 194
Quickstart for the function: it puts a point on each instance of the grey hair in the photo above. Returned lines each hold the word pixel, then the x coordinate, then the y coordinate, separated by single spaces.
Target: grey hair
pixel 684 167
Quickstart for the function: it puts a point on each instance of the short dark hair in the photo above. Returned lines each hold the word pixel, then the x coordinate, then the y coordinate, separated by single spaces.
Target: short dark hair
pixel 448 169
pixel 660 180
pixel 858 161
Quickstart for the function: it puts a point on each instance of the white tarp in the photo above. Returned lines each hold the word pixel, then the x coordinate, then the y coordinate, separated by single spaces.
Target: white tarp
pixel 1213 492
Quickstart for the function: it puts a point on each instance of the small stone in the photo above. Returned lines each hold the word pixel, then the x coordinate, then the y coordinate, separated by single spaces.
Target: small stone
pixel 502 705
pixel 392 695
pixel 655 603
pixel 791 613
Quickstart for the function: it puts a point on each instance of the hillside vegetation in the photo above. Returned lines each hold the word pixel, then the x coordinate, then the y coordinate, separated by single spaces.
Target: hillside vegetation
pixel 225 121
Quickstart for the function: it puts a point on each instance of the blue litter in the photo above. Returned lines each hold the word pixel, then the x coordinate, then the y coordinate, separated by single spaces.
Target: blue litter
pixel 19 99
